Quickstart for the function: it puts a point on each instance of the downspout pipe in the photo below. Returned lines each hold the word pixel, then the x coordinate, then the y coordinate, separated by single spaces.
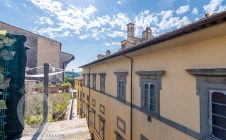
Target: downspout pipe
pixel 131 95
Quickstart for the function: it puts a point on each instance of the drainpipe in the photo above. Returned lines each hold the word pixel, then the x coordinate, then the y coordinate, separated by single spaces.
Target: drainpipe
pixel 131 95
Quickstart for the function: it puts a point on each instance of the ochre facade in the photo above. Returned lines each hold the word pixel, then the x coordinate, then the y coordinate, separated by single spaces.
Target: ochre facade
pixel 179 113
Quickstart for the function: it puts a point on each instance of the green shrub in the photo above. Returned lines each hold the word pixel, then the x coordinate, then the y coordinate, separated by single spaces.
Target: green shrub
pixel 66 85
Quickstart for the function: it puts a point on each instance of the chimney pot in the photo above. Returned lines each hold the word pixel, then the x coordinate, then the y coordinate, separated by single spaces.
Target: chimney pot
pixel 108 52
pixel 130 32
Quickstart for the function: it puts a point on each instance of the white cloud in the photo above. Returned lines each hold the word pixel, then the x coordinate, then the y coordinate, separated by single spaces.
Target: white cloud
pixel 99 21
pixel 214 6
pixel 116 43
pixel 143 20
pixel 115 34
pixel 166 14
pixel 67 20
pixel 69 17
pixel 173 22
pixel 119 20
pixel 8 5
pixel 44 20
pixel 183 9
pixel 195 11
pixel 120 2
pixel 107 44
pixel 82 37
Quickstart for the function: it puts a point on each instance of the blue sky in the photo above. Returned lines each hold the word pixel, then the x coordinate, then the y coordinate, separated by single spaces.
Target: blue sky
pixel 90 27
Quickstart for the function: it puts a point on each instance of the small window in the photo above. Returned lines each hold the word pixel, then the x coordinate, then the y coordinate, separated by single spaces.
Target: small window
pixel 217 114
pixel 122 89
pixel 102 82
pixel 150 85
pixel 101 128
pixel 84 79
pixel 93 118
pixel 94 81
pixel 121 85
pixel 88 80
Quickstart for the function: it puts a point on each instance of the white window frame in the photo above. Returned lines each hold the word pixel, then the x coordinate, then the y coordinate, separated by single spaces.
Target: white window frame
pixel 122 89
pixel 149 96
pixel 94 81
pixel 102 83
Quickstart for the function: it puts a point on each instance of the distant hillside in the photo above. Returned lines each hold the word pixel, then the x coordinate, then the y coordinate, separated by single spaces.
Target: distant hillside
pixel 72 74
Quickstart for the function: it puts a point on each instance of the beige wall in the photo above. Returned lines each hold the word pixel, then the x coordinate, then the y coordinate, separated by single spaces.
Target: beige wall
pixel 178 100
pixel 48 52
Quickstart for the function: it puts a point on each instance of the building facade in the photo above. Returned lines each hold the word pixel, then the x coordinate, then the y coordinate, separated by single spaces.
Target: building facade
pixel 172 87
pixel 79 96
pixel 41 49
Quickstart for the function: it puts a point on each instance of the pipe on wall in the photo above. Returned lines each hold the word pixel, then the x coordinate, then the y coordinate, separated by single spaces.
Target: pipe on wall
pixel 131 95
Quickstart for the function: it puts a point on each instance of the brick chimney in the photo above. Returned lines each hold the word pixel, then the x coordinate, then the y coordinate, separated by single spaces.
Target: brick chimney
pixel 147 34
pixel 108 52
pixel 130 32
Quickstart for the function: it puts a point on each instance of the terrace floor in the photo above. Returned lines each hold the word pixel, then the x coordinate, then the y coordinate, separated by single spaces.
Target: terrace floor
pixel 75 129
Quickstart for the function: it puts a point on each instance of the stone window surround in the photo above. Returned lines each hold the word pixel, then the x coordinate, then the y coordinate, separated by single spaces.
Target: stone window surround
pixel 120 120
pixel 121 76
pixel 93 111
pixel 153 77
pixel 206 80
pixel 93 102
pixel 102 109
pixel 103 120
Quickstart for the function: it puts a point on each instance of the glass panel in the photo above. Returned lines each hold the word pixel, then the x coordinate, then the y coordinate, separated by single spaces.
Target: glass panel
pixel 219 133
pixel 218 115
pixel 145 86
pixel 152 87
pixel 219 97
pixel 152 107
pixel 145 99
pixel 219 109
pixel 219 121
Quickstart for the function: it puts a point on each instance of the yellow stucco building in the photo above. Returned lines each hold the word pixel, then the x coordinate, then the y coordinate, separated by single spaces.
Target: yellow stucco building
pixel 171 87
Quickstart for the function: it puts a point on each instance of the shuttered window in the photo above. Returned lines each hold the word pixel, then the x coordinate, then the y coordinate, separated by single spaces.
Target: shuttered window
pixel 217 114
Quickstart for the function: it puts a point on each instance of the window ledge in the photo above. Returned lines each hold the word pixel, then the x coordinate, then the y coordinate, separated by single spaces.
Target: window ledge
pixel 216 71
pixel 159 73
pixel 150 113
pixel 120 99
